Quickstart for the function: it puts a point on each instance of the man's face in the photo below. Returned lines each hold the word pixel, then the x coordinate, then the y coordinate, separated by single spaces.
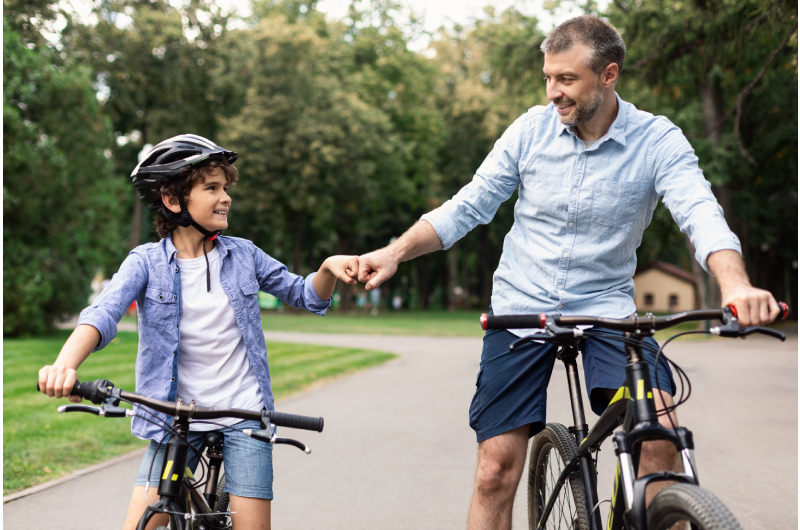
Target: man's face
pixel 209 201
pixel 573 88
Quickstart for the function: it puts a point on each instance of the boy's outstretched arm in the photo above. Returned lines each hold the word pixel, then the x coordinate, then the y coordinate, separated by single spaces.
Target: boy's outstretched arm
pixel 344 268
pixel 57 380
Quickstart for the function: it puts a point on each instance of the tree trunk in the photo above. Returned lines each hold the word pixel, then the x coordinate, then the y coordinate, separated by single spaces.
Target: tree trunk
pixel 711 99
pixel 452 276
pixel 486 268
pixel 345 290
pixel 422 280
pixel 465 276
pixel 297 255
pixel 136 222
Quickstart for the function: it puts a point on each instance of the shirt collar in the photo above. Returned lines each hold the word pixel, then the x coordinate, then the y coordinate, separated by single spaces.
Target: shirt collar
pixel 617 130
pixel 222 245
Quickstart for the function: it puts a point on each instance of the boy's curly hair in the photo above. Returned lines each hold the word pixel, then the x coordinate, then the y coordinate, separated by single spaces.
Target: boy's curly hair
pixel 186 181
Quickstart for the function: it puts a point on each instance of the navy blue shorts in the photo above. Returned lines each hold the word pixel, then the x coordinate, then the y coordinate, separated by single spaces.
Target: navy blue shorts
pixel 511 389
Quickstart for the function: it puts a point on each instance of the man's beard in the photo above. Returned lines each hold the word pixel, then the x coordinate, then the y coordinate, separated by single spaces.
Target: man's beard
pixel 584 111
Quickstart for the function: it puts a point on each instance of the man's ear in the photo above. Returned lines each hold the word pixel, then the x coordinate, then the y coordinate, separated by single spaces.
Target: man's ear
pixel 610 75
pixel 171 203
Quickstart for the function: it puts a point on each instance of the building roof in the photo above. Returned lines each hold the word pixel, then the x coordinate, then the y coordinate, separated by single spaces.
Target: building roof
pixel 672 270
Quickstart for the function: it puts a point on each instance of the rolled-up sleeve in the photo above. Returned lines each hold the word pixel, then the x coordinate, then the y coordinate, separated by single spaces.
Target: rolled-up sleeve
pixel 274 278
pixel 493 183
pixel 108 309
pixel 688 196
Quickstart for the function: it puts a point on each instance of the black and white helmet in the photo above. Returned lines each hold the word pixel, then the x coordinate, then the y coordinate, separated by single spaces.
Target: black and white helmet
pixel 168 158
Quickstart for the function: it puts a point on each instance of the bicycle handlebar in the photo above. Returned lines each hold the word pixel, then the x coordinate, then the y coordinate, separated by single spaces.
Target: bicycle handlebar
pixel 620 324
pixel 100 390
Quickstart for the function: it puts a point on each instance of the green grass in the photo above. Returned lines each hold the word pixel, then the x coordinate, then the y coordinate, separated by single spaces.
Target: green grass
pixel 40 445
pixel 424 323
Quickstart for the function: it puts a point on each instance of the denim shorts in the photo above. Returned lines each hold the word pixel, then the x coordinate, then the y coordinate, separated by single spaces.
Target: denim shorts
pixel 248 462
pixel 511 389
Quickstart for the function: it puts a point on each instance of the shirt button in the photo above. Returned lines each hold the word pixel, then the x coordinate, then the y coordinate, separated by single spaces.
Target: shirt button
pixel 175 297
pixel 583 155
pixel 173 379
pixel 559 305
pixel 560 286
pixel 175 352
pixel 572 224
pixel 574 190
pixel 566 254
pixel 176 269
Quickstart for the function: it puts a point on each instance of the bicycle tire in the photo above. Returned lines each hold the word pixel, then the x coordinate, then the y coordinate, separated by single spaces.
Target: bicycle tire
pixel 222 505
pixel 687 502
pixel 550 451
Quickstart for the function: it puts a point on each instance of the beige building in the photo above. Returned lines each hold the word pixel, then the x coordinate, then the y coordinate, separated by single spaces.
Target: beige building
pixel 664 288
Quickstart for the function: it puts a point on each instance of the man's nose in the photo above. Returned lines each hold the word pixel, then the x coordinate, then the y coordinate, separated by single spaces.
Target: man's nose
pixel 553 92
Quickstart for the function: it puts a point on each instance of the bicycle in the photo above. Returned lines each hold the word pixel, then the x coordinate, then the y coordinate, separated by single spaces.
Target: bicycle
pixel 567 453
pixel 179 497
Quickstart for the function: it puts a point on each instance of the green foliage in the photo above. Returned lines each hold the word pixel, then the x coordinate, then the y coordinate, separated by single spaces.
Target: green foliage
pixel 61 215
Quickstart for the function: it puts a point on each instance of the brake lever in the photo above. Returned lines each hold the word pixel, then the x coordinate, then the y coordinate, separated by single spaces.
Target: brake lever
pixel 79 408
pixel 300 445
pixel 764 331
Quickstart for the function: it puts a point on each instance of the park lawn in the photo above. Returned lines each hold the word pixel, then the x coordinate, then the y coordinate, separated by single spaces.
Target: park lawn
pixel 431 323
pixel 40 445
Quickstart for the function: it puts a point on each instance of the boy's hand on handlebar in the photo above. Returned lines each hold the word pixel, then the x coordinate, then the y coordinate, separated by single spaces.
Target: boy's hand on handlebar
pixel 754 307
pixel 58 381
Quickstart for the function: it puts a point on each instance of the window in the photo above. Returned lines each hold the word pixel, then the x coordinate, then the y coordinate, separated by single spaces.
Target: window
pixel 673 300
pixel 648 299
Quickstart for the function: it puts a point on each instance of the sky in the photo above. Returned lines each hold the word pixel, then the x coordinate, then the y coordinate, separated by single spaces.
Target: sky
pixel 433 13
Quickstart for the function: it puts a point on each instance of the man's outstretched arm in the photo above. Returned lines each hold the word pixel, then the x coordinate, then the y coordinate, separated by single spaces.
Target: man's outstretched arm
pixel 380 265
pixel 754 306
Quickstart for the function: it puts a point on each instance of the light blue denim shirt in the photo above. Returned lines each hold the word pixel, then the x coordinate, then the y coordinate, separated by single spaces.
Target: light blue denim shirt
pixel 150 276
pixel 581 212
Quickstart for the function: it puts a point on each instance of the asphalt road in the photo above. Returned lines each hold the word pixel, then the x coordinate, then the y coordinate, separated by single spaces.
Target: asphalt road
pixel 397 452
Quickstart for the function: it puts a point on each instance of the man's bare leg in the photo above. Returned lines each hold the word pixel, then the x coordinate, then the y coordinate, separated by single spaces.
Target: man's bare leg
pixel 501 460
pixel 660 455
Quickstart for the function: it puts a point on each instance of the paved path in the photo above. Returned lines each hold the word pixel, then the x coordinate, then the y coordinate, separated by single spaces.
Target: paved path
pixel 397 452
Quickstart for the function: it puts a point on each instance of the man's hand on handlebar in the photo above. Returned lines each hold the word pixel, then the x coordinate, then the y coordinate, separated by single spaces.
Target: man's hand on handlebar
pixel 754 307
pixel 58 381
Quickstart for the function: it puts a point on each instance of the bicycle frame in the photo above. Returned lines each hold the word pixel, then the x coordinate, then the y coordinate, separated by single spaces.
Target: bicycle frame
pixel 634 408
pixel 174 485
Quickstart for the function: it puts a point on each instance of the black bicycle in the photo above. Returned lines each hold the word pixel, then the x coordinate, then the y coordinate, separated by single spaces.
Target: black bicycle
pixel 562 485
pixel 178 491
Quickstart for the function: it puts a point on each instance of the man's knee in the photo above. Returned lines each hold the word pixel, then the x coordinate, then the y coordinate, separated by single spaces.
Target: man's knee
pixel 500 463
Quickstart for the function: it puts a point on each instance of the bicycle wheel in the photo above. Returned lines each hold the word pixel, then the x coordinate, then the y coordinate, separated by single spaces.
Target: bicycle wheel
pixel 550 451
pixel 692 504
pixel 222 505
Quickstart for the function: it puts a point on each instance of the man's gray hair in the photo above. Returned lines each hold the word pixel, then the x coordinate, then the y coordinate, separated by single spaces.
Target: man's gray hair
pixel 601 37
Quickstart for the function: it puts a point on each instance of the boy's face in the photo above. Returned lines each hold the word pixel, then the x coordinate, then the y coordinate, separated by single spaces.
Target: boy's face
pixel 208 202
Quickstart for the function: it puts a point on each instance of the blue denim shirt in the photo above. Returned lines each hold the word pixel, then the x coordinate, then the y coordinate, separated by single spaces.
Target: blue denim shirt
pixel 150 276
pixel 581 212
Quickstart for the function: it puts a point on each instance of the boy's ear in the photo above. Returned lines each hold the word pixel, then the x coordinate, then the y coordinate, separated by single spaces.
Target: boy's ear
pixel 171 203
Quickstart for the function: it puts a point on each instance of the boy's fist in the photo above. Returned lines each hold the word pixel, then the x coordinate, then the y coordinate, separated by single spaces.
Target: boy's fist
pixel 345 268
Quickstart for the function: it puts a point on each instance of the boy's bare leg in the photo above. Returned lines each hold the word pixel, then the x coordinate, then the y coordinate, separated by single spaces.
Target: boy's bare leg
pixel 501 460
pixel 137 507
pixel 251 513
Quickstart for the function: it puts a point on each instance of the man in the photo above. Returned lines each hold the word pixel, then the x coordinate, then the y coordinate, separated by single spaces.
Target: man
pixel 590 169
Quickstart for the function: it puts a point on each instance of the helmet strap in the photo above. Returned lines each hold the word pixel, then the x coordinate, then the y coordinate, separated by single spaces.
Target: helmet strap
pixel 185 220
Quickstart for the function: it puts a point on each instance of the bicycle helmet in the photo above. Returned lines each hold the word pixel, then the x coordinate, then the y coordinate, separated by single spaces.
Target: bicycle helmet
pixel 168 159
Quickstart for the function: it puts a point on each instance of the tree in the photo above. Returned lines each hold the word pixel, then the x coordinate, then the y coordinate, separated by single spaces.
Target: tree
pixel 61 201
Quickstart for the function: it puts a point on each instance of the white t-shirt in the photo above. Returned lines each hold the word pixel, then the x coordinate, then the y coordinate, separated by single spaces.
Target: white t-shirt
pixel 213 367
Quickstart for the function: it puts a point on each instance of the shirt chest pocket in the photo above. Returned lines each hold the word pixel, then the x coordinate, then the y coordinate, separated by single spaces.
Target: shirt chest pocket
pixel 616 205
pixel 250 295
pixel 160 307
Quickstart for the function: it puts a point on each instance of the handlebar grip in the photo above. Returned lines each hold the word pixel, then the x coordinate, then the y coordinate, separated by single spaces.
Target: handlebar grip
pixel 513 321
pixel 785 311
pixel 295 421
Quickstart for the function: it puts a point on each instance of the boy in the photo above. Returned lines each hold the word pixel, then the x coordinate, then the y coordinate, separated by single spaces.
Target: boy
pixel 200 335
